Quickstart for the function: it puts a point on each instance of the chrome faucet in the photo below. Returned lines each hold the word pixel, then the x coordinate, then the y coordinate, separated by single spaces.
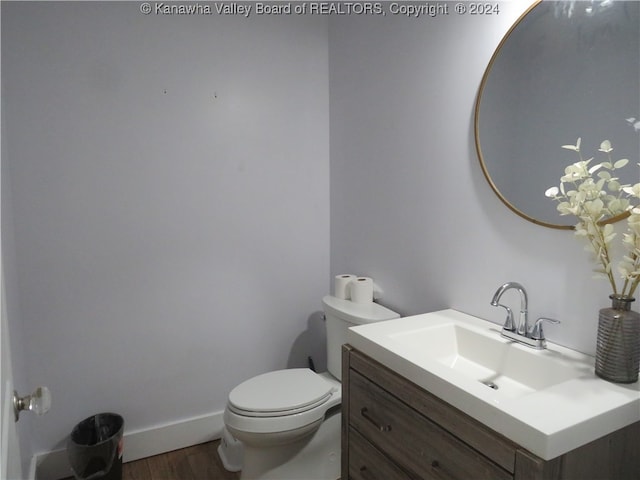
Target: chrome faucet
pixel 522 333
pixel 523 324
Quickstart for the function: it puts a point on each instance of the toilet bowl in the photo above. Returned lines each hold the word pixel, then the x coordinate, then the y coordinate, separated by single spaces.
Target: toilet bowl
pixel 281 418
pixel 288 421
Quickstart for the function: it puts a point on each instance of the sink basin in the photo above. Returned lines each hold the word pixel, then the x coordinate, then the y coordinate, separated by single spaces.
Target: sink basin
pixel 488 359
pixel 549 401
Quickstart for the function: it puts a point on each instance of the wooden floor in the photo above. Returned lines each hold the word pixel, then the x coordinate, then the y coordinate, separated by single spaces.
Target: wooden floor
pixel 200 462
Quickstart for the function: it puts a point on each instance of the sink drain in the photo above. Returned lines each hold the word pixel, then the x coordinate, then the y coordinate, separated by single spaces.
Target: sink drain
pixel 491 385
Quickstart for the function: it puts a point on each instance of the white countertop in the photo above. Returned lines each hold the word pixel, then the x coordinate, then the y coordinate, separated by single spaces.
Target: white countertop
pixel 548 422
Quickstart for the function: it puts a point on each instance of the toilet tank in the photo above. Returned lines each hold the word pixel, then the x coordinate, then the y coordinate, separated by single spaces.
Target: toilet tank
pixel 340 315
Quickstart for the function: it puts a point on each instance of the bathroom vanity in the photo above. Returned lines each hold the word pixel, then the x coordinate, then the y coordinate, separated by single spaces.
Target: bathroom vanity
pixel 395 430
pixel 443 395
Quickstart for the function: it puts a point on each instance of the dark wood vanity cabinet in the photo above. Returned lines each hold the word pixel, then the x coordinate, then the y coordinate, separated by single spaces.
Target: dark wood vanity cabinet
pixel 392 429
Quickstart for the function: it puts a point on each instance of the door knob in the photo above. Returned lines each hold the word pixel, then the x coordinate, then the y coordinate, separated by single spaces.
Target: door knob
pixel 38 402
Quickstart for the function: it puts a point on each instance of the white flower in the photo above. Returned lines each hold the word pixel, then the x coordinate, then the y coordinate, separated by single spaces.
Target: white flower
pixel 608 233
pixel 594 200
pixel 633 191
pixel 634 223
pixel 552 192
pixel 635 123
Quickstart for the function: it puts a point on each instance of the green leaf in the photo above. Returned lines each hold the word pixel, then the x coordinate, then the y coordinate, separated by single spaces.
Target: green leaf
pixel 620 163
pixel 605 146
pixel 575 148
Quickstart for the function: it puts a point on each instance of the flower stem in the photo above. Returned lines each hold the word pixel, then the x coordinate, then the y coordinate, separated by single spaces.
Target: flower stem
pixel 600 247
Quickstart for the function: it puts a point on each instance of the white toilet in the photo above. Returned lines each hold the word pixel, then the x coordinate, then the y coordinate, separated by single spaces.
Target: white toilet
pixel 289 420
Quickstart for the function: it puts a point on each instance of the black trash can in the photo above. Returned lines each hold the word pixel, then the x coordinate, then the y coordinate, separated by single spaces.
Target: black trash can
pixel 95 447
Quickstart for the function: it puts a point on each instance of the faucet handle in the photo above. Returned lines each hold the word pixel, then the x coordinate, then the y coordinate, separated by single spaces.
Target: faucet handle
pixel 508 322
pixel 536 331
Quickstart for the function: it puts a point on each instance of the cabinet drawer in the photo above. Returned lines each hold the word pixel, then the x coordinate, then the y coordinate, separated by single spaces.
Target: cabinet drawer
pixel 367 463
pixel 412 440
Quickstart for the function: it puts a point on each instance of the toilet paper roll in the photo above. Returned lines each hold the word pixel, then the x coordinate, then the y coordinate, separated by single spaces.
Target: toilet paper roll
pixel 341 286
pixel 362 290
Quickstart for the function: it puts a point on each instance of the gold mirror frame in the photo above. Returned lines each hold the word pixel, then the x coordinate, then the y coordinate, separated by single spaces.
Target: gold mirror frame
pixel 483 165
pixel 476 127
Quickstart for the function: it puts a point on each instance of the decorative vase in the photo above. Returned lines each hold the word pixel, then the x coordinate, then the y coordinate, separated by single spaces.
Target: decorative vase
pixel 618 343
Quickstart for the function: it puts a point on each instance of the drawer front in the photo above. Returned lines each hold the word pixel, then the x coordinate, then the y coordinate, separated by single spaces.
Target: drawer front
pixel 492 445
pixel 412 440
pixel 367 463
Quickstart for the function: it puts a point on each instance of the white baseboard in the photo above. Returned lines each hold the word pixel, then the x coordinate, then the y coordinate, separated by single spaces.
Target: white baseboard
pixel 54 465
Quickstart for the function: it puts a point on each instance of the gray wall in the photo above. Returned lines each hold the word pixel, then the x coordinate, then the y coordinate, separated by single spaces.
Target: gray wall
pixel 170 181
pixel 410 205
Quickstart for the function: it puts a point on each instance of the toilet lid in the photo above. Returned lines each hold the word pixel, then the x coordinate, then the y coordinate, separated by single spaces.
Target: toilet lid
pixel 282 392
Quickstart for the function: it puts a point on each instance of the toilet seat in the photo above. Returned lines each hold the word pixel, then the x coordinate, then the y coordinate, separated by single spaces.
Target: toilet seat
pixel 280 393
pixel 281 401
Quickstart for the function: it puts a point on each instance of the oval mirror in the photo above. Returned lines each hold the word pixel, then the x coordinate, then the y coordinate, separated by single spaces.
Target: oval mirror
pixel 566 69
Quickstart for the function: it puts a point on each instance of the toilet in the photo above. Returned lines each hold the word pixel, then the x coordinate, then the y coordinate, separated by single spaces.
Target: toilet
pixel 288 421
